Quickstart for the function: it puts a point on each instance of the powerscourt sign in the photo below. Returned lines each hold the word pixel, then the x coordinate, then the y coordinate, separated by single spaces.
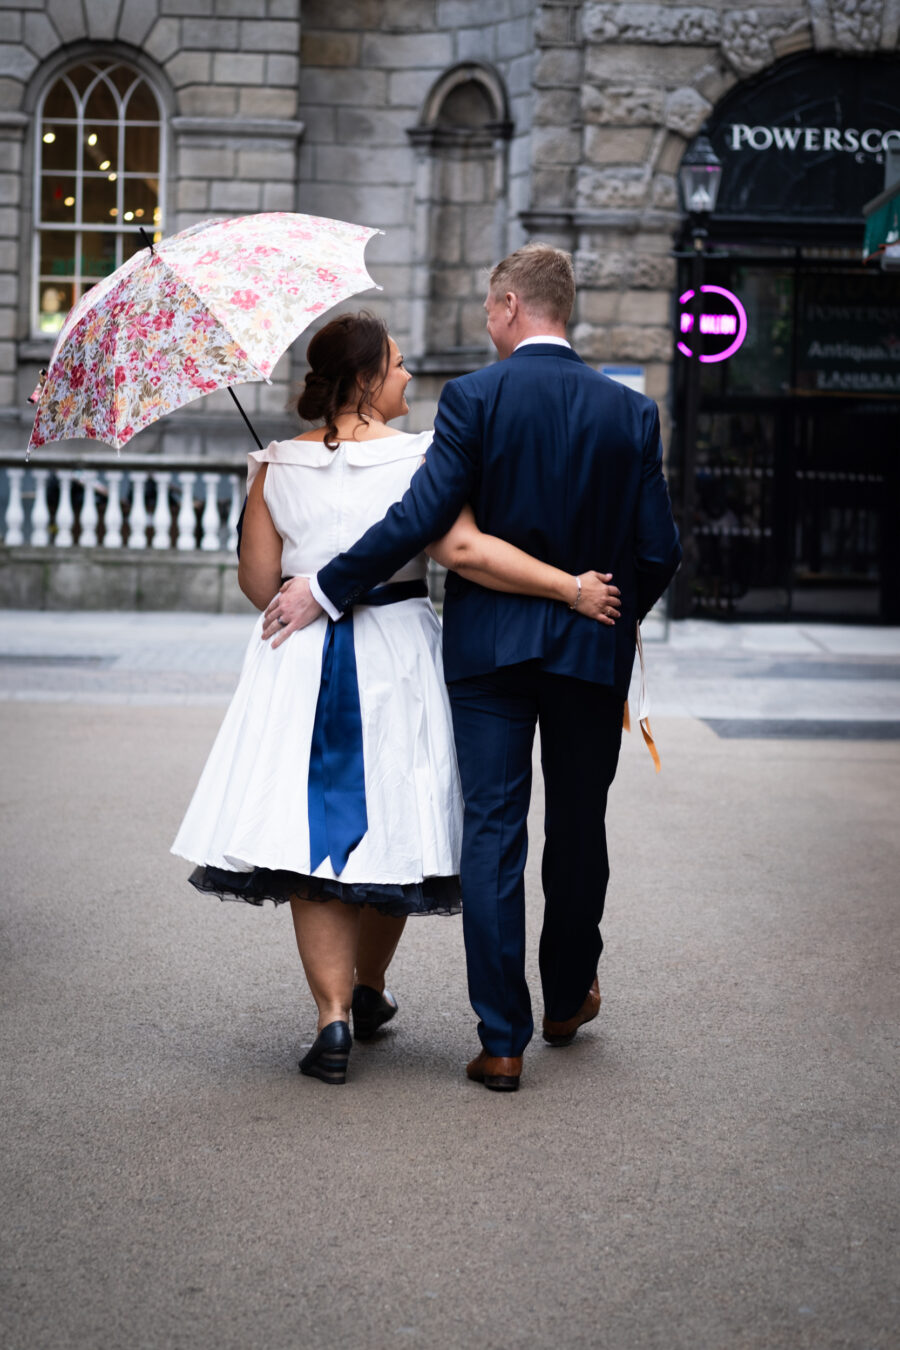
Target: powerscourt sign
pixel 807 139
pixel 872 141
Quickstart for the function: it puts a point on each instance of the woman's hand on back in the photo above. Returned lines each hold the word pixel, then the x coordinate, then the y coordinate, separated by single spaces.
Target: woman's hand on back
pixel 599 599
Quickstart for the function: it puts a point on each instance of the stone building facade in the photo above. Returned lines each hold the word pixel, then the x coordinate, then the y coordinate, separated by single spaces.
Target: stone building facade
pixel 457 127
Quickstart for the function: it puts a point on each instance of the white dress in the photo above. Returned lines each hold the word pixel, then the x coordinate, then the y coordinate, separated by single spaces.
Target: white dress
pixel 249 814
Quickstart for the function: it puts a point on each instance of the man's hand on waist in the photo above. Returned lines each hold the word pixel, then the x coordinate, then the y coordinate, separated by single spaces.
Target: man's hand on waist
pixel 293 607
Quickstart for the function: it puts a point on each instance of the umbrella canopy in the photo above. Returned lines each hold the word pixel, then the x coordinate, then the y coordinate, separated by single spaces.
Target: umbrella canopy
pixel 211 307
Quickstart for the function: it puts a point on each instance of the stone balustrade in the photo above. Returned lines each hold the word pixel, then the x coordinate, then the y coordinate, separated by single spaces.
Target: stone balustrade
pixel 94 531
pixel 132 504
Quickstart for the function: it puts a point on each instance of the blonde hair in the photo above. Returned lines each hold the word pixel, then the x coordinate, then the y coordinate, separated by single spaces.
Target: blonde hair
pixel 541 276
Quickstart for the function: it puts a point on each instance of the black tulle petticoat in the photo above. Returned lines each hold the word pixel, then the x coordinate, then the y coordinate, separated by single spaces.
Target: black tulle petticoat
pixel 434 895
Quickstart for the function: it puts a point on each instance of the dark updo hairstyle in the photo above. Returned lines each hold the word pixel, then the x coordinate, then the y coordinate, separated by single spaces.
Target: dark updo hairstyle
pixel 348 361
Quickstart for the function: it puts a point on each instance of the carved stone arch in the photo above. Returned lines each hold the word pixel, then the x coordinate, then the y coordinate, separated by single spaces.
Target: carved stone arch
pixel 75 52
pixel 746 53
pixel 462 142
pixel 485 81
pixel 846 25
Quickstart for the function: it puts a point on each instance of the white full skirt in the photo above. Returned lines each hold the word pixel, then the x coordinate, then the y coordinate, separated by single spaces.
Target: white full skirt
pixel 250 807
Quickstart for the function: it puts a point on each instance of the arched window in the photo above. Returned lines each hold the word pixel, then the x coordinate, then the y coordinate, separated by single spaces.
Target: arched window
pixel 98 178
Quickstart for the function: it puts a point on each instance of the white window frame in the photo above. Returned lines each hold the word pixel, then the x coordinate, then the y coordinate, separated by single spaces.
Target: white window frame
pixel 120 228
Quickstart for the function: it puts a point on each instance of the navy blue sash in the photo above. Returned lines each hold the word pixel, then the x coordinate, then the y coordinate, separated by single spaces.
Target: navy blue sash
pixel 337 785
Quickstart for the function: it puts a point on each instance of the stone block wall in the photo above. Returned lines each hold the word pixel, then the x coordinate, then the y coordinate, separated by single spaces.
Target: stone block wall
pixel 116 579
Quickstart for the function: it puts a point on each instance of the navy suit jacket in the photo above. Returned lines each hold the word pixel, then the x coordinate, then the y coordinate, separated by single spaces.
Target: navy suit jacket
pixel 560 461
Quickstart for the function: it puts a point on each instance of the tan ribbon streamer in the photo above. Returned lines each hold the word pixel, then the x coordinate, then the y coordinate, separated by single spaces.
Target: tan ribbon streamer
pixel 643 709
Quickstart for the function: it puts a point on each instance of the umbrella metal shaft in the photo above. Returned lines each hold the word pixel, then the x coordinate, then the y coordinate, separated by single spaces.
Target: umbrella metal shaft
pixel 250 427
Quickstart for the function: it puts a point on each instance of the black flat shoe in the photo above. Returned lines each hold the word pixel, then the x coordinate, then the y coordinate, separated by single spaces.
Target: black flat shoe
pixel 328 1055
pixel 371 1010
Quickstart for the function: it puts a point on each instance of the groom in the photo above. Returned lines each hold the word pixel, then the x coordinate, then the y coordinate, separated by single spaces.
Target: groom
pixel 566 464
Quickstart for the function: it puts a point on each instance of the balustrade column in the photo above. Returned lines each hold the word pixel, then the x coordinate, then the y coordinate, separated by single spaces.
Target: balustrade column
pixel 112 520
pixel 137 517
pixel 40 511
pixel 186 521
pixel 65 516
pixel 162 516
pixel 210 521
pixel 87 536
pixel 15 511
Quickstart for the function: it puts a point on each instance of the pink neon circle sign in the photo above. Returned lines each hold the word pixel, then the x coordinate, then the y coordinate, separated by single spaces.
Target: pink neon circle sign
pixel 715 323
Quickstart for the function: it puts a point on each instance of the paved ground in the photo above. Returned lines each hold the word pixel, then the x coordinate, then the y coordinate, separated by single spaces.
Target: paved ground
pixel 712 1165
pixel 814 672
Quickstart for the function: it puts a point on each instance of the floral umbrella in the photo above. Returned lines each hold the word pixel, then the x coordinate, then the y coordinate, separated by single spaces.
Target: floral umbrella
pixel 211 307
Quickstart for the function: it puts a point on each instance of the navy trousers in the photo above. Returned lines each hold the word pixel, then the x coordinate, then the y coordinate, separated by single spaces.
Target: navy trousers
pixel 494 719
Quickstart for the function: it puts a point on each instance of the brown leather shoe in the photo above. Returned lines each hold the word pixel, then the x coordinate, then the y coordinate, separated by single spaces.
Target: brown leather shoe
pixel 499 1073
pixel 563 1033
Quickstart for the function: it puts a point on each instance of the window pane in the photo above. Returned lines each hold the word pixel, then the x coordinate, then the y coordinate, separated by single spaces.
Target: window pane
pixel 57 198
pixel 99 199
pixel 59 102
pixel 142 149
pixel 763 364
pixel 101 148
pixel 142 105
pixel 55 300
pixel 123 77
pixel 98 254
pixel 59 145
pixel 133 243
pixel 57 253
pixel 102 104
pixel 81 76
pixel 140 197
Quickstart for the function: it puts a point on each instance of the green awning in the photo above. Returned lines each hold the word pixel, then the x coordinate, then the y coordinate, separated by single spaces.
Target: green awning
pixel 882 215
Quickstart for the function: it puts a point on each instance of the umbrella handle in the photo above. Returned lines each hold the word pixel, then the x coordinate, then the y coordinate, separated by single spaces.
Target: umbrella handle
pixel 245 417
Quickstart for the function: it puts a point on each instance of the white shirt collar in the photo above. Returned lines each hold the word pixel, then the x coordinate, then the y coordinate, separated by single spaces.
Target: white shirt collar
pixel 553 341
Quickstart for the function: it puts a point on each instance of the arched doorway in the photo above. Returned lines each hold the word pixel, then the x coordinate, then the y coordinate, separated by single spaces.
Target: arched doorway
pixel 795 469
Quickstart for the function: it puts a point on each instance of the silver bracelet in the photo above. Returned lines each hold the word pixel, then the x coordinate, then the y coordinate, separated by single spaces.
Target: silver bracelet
pixel 578 596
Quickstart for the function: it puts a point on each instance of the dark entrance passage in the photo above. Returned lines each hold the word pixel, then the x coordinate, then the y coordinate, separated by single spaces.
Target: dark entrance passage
pixel 797 462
